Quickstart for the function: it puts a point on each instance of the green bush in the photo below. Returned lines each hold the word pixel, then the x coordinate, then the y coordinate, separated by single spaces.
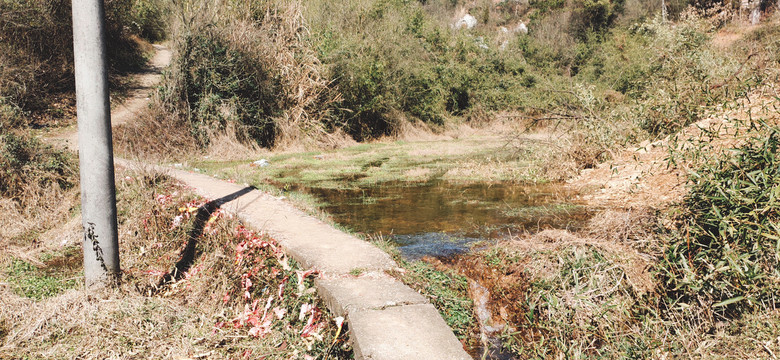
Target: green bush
pixel 593 16
pixel 727 254
pixel 224 86
pixel 395 61
pixel 149 20
pixel 366 101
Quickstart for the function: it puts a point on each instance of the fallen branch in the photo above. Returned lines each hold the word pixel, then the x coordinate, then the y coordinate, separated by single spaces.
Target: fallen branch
pixel 716 86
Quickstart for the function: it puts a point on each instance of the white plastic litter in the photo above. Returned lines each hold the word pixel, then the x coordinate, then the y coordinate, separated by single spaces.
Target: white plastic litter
pixel 467 21
pixel 261 163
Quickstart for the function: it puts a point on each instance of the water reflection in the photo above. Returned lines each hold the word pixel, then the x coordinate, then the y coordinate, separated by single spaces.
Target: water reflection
pixel 441 218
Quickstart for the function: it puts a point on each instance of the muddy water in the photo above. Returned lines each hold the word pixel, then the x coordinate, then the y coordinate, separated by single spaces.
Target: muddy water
pixel 441 218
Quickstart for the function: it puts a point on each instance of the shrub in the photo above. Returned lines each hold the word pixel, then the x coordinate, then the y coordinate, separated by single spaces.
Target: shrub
pixel 224 85
pixel 248 70
pixel 149 19
pixel 36 51
pixel 593 16
pixel 726 252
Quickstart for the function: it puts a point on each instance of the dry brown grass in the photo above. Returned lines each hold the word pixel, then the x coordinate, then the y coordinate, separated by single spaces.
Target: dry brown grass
pixel 196 315
pixel 156 134
pixel 37 186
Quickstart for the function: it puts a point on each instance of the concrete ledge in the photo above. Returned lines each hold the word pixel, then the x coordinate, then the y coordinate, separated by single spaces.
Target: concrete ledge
pixel 403 333
pixel 388 320
pixel 347 295
pixel 308 240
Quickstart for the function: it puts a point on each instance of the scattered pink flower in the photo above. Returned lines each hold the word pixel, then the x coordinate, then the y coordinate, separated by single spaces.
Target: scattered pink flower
pixel 279 312
pixel 176 221
pixel 303 275
pixel 313 323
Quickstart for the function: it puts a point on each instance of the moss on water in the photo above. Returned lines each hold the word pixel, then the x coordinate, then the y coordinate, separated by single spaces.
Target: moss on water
pixel 474 160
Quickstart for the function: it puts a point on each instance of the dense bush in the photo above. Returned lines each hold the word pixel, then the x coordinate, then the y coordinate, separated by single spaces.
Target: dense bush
pixel 223 86
pixel 246 71
pixel 149 19
pixel 397 61
pixel 726 254
pixel 36 48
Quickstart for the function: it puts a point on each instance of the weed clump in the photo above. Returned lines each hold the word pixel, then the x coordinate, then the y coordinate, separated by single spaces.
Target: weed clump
pixel 448 291
pixel 34 180
pixel 28 165
pixel 724 255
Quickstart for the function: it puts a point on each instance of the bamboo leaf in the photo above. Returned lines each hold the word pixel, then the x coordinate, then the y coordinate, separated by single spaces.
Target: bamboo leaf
pixel 729 301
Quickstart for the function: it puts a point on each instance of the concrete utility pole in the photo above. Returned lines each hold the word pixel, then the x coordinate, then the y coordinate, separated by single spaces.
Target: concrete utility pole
pixel 663 10
pixel 96 154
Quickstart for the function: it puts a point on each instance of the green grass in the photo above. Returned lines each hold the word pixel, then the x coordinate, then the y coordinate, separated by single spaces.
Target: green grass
pixel 725 253
pixel 543 210
pixel 30 281
pixel 447 291
pixel 474 159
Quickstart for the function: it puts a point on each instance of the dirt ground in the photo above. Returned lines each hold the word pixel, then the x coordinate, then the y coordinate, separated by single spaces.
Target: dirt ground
pixel 654 174
pixel 137 99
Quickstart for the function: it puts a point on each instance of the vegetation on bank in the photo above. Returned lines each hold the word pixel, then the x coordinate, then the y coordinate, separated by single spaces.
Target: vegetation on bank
pixel 725 252
pixel 618 77
pixel 276 74
pixel 287 73
pixel 38 183
pixel 195 282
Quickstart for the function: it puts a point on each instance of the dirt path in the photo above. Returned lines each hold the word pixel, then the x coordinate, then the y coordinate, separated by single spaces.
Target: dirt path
pixel 137 99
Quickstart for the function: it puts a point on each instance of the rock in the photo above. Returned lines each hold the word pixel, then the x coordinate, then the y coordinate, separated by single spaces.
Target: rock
pixel 467 21
pixel 481 43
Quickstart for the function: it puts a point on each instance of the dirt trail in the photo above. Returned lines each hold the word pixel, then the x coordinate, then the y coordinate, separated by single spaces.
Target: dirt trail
pixel 137 98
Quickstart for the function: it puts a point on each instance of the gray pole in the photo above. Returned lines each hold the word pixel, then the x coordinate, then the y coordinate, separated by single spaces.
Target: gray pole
pixel 96 154
pixel 663 10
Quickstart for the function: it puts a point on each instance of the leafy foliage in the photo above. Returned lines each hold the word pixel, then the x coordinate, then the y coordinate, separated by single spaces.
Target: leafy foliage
pixel 726 255
pixel 223 85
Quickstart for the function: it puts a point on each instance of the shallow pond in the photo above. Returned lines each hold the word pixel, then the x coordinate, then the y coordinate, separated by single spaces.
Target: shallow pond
pixel 441 218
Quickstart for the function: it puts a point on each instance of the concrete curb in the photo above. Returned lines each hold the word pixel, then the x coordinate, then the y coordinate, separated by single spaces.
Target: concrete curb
pixel 387 319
